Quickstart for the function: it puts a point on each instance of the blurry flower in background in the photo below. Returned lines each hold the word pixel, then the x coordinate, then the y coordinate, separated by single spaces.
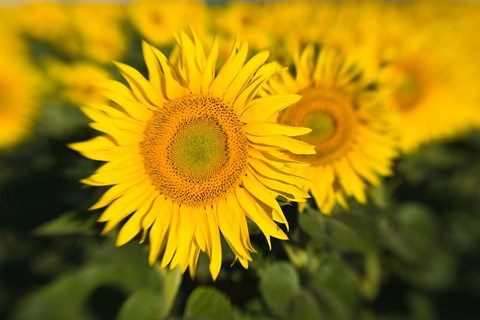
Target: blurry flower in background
pixel 78 83
pixel 98 27
pixel 157 21
pixel 423 65
pixel 48 23
pixel 353 131
pixel 190 153
pixel 19 100
pixel 241 20
pixel 432 87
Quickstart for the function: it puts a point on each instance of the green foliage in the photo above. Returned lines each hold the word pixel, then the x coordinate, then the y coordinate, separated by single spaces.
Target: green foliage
pixel 279 285
pixel 66 224
pixel 208 303
pixel 152 290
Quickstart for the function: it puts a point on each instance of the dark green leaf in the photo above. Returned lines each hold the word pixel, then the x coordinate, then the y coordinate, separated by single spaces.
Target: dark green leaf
pixel 278 286
pixel 305 307
pixel 208 303
pixel 144 304
pixel 66 224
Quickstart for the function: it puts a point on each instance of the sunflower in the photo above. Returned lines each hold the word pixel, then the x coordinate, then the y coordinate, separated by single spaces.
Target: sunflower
pixel 431 87
pixel 19 91
pixel 190 154
pixel 353 132
pixel 79 82
pixel 156 21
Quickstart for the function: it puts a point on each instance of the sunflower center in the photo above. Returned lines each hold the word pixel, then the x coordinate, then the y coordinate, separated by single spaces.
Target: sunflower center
pixel 195 150
pixel 200 148
pixel 331 116
pixel 408 92
pixel 322 124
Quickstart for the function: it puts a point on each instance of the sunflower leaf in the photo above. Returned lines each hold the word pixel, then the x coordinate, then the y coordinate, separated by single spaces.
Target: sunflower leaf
pixel 208 303
pixel 278 286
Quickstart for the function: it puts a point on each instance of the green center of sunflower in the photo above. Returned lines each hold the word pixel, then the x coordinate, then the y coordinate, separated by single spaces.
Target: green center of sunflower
pixel 195 150
pixel 332 117
pixel 322 124
pixel 200 148
pixel 409 90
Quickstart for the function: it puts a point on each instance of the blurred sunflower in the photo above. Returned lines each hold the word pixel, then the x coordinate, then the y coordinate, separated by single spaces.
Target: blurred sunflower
pixel 19 91
pixel 98 28
pixel 157 21
pixel 31 20
pixel 242 20
pixel 432 88
pixel 78 83
pixel 353 132
pixel 190 154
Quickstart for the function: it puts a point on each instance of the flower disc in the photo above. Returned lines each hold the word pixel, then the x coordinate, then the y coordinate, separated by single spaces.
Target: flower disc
pixel 331 117
pixel 195 150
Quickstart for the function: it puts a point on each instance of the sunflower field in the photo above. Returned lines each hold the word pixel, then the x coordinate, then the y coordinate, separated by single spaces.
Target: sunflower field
pixel 242 160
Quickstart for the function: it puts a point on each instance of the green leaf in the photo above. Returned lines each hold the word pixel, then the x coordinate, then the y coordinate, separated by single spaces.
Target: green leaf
pixel 336 284
pixel 145 304
pixel 305 307
pixel 353 231
pixel 66 224
pixel 279 285
pixel 313 223
pixel 67 296
pixel 153 303
pixel 171 284
pixel 208 303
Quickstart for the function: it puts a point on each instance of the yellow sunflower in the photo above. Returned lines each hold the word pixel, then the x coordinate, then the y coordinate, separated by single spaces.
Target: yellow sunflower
pixel 156 20
pixel 353 132
pixel 190 154
pixel 19 93
pixel 79 82
pixel 425 54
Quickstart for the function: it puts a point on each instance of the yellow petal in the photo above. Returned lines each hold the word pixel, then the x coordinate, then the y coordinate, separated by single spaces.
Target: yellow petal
pixel 292 145
pixel 271 172
pixel 274 129
pixel 152 66
pixel 230 229
pixel 229 70
pixel 171 246
pixel 202 236
pixel 162 209
pixel 257 214
pixel 266 196
pixel 242 102
pixel 216 256
pixel 185 236
pixel 194 253
pixel 209 71
pixel 134 224
pixel 98 148
pixel 244 76
pixel 171 86
pixel 126 204
pixel 262 109
pixel 141 88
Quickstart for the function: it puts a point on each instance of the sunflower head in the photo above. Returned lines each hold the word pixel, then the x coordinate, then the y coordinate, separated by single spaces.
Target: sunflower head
pixel 191 154
pixel 352 130
pixel 19 90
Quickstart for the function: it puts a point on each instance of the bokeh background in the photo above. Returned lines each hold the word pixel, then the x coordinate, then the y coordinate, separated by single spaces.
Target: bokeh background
pixel 413 252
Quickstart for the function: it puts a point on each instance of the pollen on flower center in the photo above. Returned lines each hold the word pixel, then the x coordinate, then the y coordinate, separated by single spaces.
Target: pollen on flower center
pixel 330 115
pixel 199 149
pixel 409 90
pixel 195 150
